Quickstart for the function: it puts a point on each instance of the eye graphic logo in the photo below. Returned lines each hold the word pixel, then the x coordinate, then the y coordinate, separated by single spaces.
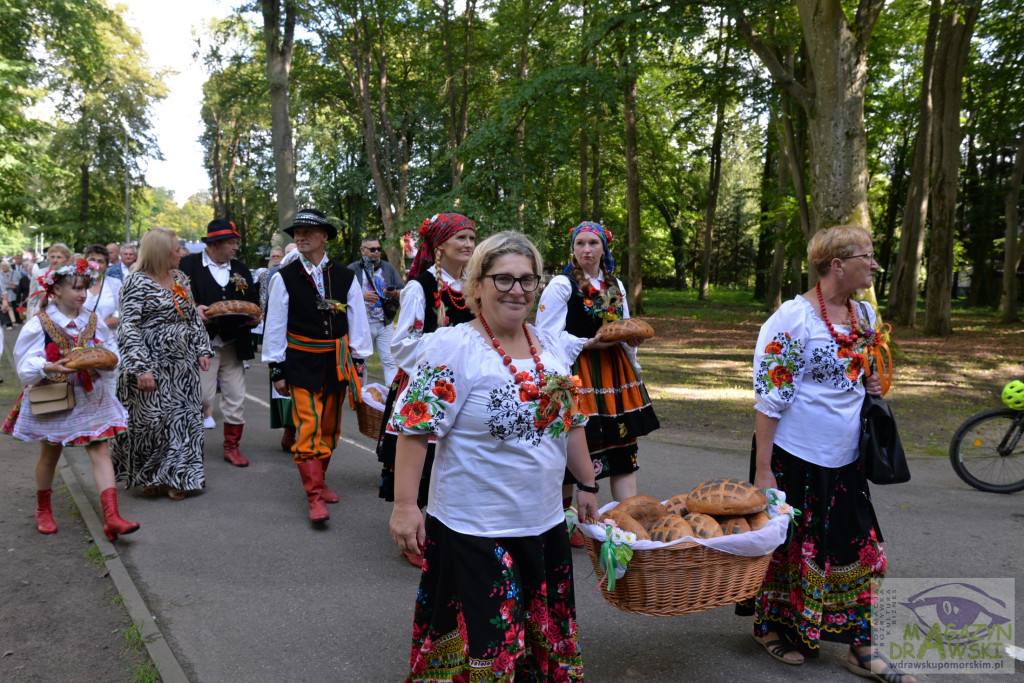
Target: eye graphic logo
pixel 964 613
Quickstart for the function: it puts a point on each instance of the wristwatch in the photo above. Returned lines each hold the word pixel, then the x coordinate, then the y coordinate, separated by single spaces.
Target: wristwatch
pixel 588 489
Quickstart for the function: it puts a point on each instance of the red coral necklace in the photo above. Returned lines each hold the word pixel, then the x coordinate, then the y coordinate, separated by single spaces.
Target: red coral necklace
pixel 846 341
pixel 457 298
pixel 507 359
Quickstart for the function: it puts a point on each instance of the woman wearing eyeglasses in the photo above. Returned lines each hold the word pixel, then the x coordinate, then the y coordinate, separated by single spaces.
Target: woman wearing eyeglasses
pixel 579 301
pixel 431 299
pixel 496 598
pixel 809 383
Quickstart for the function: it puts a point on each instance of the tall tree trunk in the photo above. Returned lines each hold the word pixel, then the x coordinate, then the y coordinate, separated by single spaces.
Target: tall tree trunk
pixel 634 237
pixel 896 184
pixel 902 307
pixel 766 228
pixel 1012 246
pixel 951 51
pixel 773 295
pixel 458 164
pixel 715 171
pixel 278 45
pixel 595 169
pixel 584 100
pixel 83 209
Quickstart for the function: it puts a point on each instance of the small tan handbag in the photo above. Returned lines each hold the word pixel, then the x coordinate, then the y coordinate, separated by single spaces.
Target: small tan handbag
pixel 51 398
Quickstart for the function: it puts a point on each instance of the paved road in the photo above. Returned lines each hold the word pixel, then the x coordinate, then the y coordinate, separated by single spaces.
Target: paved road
pixel 242 587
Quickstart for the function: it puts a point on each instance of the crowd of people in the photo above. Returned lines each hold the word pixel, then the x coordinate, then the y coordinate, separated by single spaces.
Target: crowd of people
pixel 489 423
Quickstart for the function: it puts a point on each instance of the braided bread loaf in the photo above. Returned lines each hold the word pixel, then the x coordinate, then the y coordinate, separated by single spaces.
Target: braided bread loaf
pixel 233 307
pixel 91 358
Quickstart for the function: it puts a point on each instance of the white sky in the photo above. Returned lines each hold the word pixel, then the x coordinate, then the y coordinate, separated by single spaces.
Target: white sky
pixel 166 29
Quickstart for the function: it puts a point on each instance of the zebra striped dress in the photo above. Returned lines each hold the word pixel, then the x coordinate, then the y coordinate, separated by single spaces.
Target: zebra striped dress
pixel 160 332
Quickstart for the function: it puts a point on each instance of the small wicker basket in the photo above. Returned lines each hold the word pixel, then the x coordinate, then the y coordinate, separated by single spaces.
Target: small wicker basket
pixel 369 420
pixel 681 579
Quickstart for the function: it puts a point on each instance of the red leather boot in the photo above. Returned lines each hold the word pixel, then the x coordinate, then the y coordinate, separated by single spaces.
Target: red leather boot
pixel 44 513
pixel 312 474
pixel 328 495
pixel 288 439
pixel 113 524
pixel 232 435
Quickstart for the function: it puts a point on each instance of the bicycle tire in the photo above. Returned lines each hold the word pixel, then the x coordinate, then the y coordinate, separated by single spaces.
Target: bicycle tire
pixel 974 452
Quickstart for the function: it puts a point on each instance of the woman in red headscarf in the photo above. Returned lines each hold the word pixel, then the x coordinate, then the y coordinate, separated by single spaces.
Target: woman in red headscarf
pixel 432 298
pixel 585 296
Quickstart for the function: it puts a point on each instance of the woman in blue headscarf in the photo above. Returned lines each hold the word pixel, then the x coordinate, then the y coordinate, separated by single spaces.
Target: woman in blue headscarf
pixel 579 301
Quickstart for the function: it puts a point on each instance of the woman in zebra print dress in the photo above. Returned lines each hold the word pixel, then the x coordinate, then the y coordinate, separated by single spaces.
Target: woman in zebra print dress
pixel 163 345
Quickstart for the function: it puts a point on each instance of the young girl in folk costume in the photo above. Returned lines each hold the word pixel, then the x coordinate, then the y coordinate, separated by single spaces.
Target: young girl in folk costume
pixel 432 298
pixel 61 325
pixel 579 301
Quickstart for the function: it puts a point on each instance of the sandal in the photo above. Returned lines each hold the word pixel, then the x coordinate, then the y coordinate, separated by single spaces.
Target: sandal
pixel 175 494
pixel 778 649
pixel 863 668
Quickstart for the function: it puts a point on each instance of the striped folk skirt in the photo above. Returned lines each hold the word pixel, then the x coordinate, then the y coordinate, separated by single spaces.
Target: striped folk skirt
pixel 619 408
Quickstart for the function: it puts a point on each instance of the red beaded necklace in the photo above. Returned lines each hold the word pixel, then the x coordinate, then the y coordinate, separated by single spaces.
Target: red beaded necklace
pixel 841 339
pixel 457 298
pixel 507 359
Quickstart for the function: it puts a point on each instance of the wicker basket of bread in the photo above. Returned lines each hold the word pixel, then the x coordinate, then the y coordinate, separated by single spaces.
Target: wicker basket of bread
pixel 370 410
pixel 695 551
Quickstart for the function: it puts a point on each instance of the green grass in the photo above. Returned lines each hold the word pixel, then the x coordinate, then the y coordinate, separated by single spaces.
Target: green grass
pixel 143 671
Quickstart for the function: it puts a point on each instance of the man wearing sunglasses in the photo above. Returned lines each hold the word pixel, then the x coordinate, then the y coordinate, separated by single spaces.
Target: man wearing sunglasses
pixel 381 284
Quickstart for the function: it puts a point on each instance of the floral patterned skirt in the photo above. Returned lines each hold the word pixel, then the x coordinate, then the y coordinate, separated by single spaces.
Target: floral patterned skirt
pixel 618 406
pixel 387 442
pixel 495 609
pixel 819 583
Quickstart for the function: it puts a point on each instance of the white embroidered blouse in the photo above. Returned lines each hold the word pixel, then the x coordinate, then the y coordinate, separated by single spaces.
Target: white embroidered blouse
pixel 803 378
pixel 500 453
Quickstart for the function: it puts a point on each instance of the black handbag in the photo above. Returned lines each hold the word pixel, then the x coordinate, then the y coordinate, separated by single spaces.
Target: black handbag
pixel 881 451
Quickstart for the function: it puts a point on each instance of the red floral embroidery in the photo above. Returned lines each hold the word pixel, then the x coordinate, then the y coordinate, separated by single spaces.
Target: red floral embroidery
pixel 415 413
pixel 444 391
pixel 780 375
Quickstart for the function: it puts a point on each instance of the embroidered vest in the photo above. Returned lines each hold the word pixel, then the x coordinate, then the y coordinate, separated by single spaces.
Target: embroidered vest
pixel 206 291
pixel 56 334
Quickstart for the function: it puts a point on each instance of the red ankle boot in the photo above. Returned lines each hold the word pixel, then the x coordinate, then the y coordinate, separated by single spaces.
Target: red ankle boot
pixel 328 495
pixel 113 524
pixel 44 513
pixel 232 435
pixel 312 474
pixel 288 439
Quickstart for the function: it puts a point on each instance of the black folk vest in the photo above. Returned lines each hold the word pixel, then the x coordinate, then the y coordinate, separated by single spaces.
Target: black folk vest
pixel 455 315
pixel 315 372
pixel 206 291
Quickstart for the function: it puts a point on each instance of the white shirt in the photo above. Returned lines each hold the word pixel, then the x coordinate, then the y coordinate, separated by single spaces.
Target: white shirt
pixel 275 331
pixel 30 349
pixel 221 272
pixel 409 325
pixel 495 472
pixel 106 304
pixel 800 379
pixel 554 305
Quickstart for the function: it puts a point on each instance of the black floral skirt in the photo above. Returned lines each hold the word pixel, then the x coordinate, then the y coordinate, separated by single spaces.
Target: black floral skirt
pixel 819 582
pixel 495 609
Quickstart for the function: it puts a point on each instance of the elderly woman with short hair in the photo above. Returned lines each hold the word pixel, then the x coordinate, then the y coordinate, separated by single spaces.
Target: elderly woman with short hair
pixel 496 590
pixel 810 375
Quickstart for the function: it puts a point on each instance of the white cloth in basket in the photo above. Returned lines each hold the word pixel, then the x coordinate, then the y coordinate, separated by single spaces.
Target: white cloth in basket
pixel 368 398
pixel 750 544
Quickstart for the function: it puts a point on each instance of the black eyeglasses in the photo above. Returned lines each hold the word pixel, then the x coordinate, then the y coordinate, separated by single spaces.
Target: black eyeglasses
pixel 372 249
pixel 503 282
pixel 870 256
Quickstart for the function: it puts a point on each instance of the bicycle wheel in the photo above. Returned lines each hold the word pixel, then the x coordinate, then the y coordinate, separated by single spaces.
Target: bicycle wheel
pixel 987 451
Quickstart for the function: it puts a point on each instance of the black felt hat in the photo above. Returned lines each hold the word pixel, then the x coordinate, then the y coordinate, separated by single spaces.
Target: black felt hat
pixel 220 229
pixel 311 218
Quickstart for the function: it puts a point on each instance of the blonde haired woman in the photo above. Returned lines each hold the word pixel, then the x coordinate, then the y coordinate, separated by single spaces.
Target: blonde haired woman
pixel 496 592
pixel 163 345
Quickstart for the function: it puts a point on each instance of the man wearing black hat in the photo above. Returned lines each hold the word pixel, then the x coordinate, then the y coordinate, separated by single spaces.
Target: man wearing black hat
pixel 215 275
pixel 316 324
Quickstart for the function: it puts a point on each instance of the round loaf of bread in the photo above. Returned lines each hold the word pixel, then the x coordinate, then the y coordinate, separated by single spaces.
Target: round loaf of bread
pixel 726 497
pixel 733 525
pixel 625 330
pixel 703 526
pixel 670 528
pixel 677 505
pixel 627 523
pixel 375 393
pixel 757 520
pixel 643 509
pixel 232 307
pixel 91 358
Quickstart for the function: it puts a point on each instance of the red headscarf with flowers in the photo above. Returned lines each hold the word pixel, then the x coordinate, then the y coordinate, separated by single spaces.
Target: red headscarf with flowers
pixel 434 232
